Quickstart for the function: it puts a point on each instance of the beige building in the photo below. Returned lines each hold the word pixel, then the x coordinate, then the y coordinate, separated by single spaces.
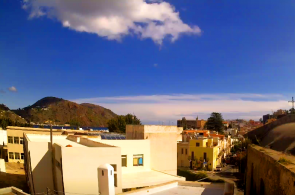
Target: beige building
pixel 15 140
pixel 146 158
pixel 191 124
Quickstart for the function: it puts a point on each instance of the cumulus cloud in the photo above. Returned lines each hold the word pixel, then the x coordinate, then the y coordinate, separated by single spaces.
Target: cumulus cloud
pixel 12 88
pixel 153 108
pixel 114 19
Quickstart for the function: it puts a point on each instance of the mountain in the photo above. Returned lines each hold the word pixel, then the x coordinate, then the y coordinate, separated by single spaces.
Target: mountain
pixel 6 113
pixel 59 111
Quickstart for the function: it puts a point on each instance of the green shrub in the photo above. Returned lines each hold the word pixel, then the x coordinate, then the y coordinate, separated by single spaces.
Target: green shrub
pixel 284 161
pixel 189 176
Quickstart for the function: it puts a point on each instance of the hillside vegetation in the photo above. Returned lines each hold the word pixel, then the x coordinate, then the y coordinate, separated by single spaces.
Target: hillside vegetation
pixel 5 113
pixel 59 112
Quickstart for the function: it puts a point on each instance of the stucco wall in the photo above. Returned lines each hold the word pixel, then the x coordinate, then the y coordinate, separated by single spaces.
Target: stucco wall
pixel 130 148
pixel 19 132
pixel 58 168
pixel 163 140
pixel 2 166
pixel 79 165
pixel 163 144
pixel 265 175
pixel 212 154
pixel 41 166
pixel 135 132
pixel 182 157
pixel 3 137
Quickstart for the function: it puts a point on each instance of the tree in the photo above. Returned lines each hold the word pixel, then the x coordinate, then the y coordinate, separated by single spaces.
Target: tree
pixel 75 123
pixel 118 124
pixel 184 123
pixel 214 122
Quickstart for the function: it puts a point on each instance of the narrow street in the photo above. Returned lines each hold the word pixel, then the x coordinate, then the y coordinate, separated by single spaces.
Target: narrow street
pixel 229 174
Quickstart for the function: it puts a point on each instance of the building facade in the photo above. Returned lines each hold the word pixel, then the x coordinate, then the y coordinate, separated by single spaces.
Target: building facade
pixel 191 124
pixel 15 140
pixel 200 148
pixel 146 158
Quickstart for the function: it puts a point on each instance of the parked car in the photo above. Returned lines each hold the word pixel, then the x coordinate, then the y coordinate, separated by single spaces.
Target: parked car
pixel 218 168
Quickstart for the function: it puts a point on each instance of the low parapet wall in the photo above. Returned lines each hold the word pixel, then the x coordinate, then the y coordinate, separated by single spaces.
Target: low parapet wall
pixel 13 190
pixel 269 172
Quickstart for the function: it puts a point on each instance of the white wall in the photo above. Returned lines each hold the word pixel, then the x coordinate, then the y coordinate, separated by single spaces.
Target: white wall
pixel 80 164
pixel 3 137
pixel 41 166
pixel 2 166
pixel 130 148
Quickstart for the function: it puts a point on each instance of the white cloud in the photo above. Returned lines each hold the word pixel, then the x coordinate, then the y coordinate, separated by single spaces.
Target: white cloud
pixel 114 19
pixel 154 108
pixel 12 88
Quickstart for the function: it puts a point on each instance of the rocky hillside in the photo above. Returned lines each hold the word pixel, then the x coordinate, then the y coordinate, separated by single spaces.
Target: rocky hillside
pixel 5 113
pixel 59 111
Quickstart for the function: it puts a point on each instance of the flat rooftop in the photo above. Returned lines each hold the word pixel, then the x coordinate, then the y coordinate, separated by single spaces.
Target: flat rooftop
pixel 188 190
pixel 147 178
pixel 57 139
pixel 183 188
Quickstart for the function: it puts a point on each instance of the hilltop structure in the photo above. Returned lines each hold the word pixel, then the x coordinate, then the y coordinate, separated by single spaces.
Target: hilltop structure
pixel 191 124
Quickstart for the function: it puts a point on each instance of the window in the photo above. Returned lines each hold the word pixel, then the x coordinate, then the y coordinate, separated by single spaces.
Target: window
pixel 115 180
pixel 10 140
pixel 205 156
pixel 197 144
pixel 16 155
pixel 124 160
pixel 185 151
pixel 22 156
pixel 16 140
pixel 11 156
pixel 21 140
pixel 102 173
pixel 193 156
pixel 181 150
pixel 115 167
pixel 138 160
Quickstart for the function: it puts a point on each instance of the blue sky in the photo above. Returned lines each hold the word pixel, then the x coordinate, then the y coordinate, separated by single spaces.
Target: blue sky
pixel 213 47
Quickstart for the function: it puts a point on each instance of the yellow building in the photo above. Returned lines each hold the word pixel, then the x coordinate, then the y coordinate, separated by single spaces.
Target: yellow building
pixel 197 153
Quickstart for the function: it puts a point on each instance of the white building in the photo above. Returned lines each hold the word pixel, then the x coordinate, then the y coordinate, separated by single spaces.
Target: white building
pixel 148 157
pixel 3 137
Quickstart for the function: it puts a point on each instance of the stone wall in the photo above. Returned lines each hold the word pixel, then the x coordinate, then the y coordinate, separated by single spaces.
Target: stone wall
pixel 265 175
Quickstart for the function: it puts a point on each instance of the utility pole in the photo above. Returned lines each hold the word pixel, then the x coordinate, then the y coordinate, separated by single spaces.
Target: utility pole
pixel 51 136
